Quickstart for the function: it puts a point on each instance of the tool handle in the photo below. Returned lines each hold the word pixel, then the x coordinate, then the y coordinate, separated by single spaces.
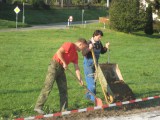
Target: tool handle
pixel 108 55
pixel 108 51
pixel 96 67
pixel 94 59
pixel 89 91
pixel 82 85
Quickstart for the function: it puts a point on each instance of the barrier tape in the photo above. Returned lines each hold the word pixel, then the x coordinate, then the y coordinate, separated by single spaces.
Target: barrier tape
pixel 88 109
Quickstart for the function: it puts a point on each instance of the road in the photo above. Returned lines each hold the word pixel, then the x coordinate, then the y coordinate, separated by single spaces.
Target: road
pixel 62 25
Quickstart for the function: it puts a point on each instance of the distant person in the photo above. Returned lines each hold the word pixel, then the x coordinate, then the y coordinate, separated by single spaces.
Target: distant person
pixel 88 63
pixel 66 54
pixel 70 20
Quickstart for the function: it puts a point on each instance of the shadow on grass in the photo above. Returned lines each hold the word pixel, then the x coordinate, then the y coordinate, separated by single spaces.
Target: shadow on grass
pixel 17 91
pixel 154 36
pixel 150 103
pixel 147 93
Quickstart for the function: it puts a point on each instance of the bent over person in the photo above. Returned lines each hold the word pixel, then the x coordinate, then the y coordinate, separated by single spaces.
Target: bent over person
pixel 66 54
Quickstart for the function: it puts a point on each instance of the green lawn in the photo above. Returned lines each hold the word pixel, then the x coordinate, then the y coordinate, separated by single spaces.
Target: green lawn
pixel 25 55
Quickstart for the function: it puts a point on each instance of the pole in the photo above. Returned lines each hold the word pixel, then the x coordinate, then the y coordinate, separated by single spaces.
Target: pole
pixel 23 14
pixel 85 24
pixel 16 20
pixel 107 3
pixel 68 22
pixel 82 15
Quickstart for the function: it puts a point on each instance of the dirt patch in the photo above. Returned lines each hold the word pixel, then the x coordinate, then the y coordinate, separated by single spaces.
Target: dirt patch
pixel 103 113
pixel 121 91
pixel 114 84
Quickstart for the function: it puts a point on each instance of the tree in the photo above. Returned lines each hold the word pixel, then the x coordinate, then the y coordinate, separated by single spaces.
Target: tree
pixel 39 4
pixel 4 1
pixel 126 16
pixel 156 4
pixel 149 24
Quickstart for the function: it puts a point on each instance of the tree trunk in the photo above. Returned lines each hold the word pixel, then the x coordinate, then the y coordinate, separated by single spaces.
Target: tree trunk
pixel 61 3
pixel 69 2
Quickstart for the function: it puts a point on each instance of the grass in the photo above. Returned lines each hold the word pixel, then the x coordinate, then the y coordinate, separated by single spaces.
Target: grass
pixel 25 55
pixel 34 17
pixel 11 24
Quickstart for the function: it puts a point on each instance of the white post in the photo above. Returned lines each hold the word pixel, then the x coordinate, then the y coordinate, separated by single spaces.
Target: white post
pixel 107 3
pixel 82 15
pixel 85 24
pixel 68 22
pixel 23 14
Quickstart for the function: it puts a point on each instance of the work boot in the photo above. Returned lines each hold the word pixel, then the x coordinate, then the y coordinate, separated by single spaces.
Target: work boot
pixel 38 110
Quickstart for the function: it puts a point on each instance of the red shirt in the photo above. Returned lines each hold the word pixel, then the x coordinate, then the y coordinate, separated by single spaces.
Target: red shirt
pixel 70 54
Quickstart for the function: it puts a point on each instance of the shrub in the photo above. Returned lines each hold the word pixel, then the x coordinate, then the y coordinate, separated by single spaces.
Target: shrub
pixel 126 16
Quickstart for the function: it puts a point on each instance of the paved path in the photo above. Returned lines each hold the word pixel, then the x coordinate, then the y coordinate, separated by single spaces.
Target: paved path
pixel 62 25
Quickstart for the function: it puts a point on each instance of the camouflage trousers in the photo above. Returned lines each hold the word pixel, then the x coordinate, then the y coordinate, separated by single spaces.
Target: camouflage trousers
pixel 55 73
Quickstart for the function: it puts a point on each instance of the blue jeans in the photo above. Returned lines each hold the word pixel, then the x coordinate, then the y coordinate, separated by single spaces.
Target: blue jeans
pixel 89 71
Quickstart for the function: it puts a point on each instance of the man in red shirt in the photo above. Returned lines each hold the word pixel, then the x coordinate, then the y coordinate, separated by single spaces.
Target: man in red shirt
pixel 66 54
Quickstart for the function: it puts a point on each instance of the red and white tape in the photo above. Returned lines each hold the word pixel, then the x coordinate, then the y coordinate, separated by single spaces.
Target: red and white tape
pixel 88 109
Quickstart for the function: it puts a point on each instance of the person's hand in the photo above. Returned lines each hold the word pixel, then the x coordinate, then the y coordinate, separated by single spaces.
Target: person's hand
pixel 90 46
pixel 81 82
pixel 65 66
pixel 107 45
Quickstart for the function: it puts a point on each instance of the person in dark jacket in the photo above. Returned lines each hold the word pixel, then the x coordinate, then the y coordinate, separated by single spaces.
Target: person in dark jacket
pixel 88 63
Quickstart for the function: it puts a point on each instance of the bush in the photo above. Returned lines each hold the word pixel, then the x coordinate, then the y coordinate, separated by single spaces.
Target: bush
pixel 126 16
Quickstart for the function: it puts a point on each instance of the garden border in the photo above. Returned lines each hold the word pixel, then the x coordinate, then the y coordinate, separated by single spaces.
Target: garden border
pixel 88 109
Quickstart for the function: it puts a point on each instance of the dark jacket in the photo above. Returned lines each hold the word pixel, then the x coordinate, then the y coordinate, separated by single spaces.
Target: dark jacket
pixel 97 45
